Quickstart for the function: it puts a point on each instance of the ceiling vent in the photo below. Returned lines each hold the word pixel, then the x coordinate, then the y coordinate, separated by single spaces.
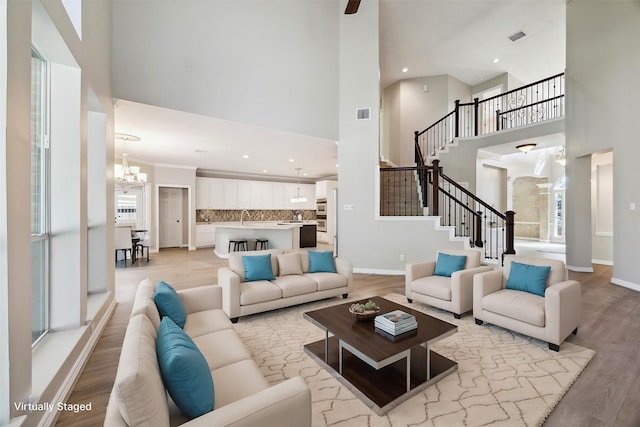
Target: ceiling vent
pixel 363 113
pixel 517 36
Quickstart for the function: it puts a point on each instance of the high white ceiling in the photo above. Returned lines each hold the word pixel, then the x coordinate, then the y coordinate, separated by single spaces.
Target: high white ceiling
pixel 429 37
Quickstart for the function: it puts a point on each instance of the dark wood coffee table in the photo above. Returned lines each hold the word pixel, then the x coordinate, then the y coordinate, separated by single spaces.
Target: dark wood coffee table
pixel 381 371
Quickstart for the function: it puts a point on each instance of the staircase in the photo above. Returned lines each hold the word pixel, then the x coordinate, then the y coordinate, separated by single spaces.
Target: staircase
pixel 412 191
pixel 400 192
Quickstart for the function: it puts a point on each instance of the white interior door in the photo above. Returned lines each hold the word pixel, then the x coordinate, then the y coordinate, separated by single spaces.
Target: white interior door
pixel 170 217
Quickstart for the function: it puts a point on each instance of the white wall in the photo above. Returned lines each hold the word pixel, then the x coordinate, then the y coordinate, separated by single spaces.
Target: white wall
pixel 372 244
pixel 602 113
pixel 53 32
pixel 267 63
pixel 409 108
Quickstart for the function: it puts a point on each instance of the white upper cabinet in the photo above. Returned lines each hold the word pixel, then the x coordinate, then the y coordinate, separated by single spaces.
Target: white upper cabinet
pixel 218 193
pixel 325 188
pixel 203 199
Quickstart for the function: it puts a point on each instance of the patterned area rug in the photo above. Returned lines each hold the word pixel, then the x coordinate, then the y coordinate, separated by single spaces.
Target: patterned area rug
pixel 503 378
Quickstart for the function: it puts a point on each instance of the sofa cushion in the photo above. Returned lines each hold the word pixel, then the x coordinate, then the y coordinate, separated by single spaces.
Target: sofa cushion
pixel 447 264
pixel 434 286
pixel 289 264
pixel 222 348
pixel 528 278
pixel 143 303
pixel 169 303
pixel 523 306
pixel 185 371
pixel 230 388
pixel 255 292
pixel 295 285
pixel 327 281
pixel 138 388
pixel 203 322
pixel 257 267
pixel 321 262
pixel 236 265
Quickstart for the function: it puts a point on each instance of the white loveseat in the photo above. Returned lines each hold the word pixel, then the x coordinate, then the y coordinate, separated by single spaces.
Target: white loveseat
pixel 241 298
pixel 242 395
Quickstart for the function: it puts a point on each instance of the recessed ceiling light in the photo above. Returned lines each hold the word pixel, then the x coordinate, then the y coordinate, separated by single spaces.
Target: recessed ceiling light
pixel 246 156
pixel 265 171
pixel 291 160
pixel 304 174
pixel 405 69
pixel 495 61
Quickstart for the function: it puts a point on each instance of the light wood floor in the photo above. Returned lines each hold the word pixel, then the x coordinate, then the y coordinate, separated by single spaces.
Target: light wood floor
pixel 606 394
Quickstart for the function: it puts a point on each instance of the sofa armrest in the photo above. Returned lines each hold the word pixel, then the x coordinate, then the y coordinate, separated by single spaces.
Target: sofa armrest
pixel 484 284
pixel 345 268
pixel 462 288
pixel 562 305
pixel 201 298
pixel 285 404
pixel 230 283
pixel 417 270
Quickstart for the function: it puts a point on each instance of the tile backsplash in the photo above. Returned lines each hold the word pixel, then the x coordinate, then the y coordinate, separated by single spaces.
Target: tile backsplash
pixel 213 215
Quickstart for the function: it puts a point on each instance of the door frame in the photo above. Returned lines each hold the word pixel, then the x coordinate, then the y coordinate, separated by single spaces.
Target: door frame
pixel 190 214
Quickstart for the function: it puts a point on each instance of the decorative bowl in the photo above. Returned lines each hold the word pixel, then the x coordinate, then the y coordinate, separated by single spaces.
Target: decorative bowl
pixel 363 314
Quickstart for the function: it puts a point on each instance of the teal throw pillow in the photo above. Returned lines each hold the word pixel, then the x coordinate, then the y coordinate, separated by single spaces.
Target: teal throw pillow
pixel 185 372
pixel 321 262
pixel 169 303
pixel 528 278
pixel 447 264
pixel 257 267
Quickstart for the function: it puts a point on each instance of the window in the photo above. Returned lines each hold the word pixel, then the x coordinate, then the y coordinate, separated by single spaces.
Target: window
pixel 39 198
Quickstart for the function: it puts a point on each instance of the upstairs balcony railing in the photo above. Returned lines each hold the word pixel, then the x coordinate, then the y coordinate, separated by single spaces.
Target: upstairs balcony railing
pixel 530 104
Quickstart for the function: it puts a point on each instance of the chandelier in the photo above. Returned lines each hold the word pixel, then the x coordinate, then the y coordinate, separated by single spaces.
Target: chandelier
pixel 298 198
pixel 561 156
pixel 128 177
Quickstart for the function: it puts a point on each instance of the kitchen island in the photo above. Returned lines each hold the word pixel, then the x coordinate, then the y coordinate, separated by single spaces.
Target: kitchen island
pixel 280 235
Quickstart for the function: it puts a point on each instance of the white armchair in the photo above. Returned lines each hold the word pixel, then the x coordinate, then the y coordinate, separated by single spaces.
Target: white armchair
pixel 455 293
pixel 550 318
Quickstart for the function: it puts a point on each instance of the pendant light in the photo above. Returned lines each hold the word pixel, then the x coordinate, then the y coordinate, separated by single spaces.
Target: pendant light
pixel 298 198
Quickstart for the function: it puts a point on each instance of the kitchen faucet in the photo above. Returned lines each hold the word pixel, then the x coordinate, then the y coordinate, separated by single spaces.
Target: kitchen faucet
pixel 242 216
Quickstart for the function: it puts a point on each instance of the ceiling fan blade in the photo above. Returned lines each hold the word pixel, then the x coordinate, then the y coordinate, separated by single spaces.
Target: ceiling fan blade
pixel 352 7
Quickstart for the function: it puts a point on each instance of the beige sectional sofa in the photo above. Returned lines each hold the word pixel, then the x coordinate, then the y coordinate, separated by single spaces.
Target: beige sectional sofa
pixel 290 287
pixel 242 395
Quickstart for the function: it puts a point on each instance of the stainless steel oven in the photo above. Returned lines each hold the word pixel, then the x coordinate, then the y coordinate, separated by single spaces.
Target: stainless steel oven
pixel 321 208
pixel 322 225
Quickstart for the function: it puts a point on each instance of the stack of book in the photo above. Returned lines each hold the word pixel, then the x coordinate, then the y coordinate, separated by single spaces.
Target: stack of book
pixel 396 322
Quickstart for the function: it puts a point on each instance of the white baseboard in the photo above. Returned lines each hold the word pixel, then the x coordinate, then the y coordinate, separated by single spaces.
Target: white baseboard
pixel 380 271
pixel 625 284
pixel 580 269
pixel 602 262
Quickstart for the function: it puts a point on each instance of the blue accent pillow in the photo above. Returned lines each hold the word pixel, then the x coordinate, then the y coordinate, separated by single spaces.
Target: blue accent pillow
pixel 169 303
pixel 528 278
pixel 185 372
pixel 257 267
pixel 321 262
pixel 447 264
